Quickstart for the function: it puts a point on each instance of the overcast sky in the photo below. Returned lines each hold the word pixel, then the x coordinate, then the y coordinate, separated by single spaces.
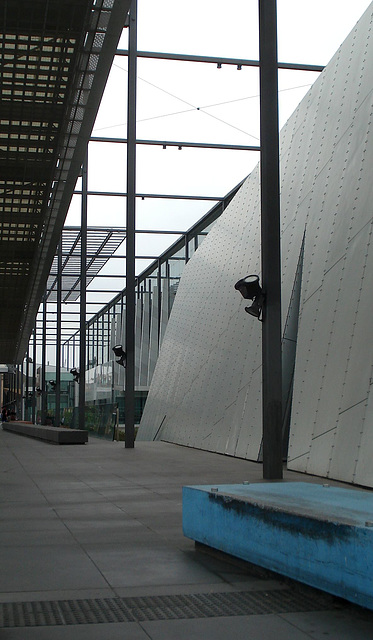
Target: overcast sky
pixel 200 103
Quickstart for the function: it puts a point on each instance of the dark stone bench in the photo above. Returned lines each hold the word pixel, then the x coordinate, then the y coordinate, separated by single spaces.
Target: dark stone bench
pixel 55 435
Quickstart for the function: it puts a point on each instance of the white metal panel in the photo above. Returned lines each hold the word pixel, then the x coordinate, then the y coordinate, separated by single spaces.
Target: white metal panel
pixel 153 340
pixel 332 377
pixel 209 332
pixel 138 314
pixel 145 340
pixel 358 314
pixel 165 312
pixel 347 443
pixel 249 439
pixel 364 464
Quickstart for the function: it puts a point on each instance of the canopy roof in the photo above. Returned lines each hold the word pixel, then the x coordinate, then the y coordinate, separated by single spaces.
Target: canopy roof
pixel 55 59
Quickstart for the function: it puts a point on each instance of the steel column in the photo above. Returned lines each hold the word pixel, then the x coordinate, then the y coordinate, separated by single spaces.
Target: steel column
pixel 27 383
pixel 33 415
pixel 131 226
pixel 270 229
pixel 57 417
pixel 43 384
pixel 83 293
pixel 159 295
pixel 19 398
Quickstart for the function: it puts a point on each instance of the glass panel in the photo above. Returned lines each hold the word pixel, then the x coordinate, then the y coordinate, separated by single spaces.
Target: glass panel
pixel 191 247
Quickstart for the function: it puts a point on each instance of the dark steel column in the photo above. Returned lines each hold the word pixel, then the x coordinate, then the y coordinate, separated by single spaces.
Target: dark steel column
pixel 19 409
pixel 43 383
pixel 33 415
pixel 270 229
pixel 27 384
pixel 159 295
pixel 83 294
pixel 57 417
pixel 131 225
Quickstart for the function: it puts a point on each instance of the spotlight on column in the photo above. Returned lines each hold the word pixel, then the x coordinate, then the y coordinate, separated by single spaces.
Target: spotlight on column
pixel 76 373
pixel 250 289
pixel 121 354
pixel 53 384
pixel 38 391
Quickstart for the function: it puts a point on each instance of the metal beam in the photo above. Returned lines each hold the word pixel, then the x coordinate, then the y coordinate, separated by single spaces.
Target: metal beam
pixel 172 143
pixel 238 62
pixel 143 196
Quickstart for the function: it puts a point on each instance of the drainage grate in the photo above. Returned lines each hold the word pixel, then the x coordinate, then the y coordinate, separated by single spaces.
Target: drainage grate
pixel 141 609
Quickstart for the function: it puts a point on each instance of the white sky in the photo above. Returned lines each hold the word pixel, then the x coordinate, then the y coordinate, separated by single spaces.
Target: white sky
pixel 168 95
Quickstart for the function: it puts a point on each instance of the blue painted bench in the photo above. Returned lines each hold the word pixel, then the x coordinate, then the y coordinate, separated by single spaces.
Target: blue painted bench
pixel 316 534
pixel 55 435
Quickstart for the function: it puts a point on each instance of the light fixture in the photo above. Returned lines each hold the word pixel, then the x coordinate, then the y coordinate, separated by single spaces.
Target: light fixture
pixel 121 354
pixel 38 391
pixel 76 373
pixel 219 65
pixel 53 384
pixel 250 289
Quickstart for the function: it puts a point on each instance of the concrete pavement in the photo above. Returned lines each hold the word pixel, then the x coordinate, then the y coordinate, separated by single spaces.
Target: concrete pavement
pixel 92 547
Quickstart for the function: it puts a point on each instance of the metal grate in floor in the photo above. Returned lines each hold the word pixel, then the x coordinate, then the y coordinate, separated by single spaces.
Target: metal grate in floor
pixel 141 609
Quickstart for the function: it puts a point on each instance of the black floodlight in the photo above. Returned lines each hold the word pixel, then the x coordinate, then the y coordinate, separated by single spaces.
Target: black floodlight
pixel 76 373
pixel 121 354
pixel 256 308
pixel 53 384
pixel 38 391
pixel 250 289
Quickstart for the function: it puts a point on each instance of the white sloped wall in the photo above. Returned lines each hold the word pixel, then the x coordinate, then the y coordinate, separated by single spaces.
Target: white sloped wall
pixel 206 391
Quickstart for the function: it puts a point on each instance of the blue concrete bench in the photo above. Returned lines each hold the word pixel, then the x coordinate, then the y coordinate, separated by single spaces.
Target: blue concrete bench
pixel 316 534
pixel 55 435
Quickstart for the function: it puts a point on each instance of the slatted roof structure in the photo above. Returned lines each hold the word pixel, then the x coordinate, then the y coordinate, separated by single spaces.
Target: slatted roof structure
pixel 101 244
pixel 55 58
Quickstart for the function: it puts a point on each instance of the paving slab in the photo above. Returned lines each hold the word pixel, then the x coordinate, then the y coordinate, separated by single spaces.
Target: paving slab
pixel 121 631
pixel 47 567
pixel 348 624
pixel 245 627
